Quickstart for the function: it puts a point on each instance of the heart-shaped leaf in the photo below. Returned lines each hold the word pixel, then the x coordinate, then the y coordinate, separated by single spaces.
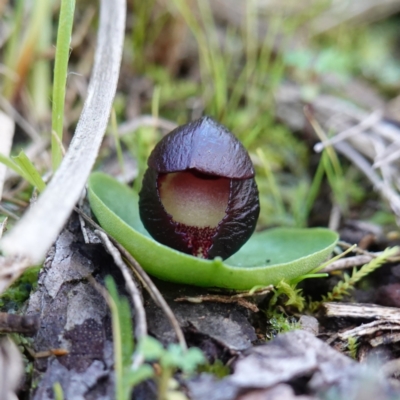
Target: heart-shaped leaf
pixel 267 258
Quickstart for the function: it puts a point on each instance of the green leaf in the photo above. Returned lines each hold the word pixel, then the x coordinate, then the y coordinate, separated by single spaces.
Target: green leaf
pixel 125 377
pixel 294 297
pixel 133 378
pixel 267 258
pixel 30 173
pixel 8 162
pixel 172 357
pixel 192 359
pixel 186 360
pixel 124 320
pixel 24 168
pixel 151 348
pixel 126 330
pixel 121 354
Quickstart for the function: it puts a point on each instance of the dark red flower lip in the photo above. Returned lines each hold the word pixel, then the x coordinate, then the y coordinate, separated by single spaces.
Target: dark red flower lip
pixel 203 149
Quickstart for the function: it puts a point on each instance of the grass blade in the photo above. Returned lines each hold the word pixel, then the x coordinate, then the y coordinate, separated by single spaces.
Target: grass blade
pixel 8 162
pixel 113 302
pixel 24 168
pixel 30 173
pixel 60 77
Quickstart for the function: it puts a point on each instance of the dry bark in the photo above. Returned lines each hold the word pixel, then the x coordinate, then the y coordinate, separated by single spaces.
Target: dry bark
pixel 74 317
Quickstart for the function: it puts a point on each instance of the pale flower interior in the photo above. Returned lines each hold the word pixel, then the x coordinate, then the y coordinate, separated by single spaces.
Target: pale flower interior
pixel 194 199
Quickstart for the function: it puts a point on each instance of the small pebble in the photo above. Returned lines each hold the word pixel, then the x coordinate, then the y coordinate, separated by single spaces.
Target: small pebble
pixel 309 324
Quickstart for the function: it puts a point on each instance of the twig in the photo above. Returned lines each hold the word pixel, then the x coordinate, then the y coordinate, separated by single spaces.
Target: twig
pixel 386 338
pixel 47 353
pixel 365 124
pixel 3 226
pixel 334 217
pixel 369 329
pixel 8 212
pixel 253 293
pixel 140 314
pixel 367 311
pixel 28 324
pixel 154 293
pixel 349 262
pixel 14 200
pixel 359 161
pixel 342 12
pixel 238 298
pixel 82 221
pixel 220 299
pixel 57 201
pixel 388 156
pixel 356 249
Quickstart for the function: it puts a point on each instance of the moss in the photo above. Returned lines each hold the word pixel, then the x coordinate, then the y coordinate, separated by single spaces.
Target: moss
pixel 19 292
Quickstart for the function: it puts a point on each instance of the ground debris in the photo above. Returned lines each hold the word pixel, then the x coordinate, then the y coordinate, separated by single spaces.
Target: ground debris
pixel 278 392
pixel 238 298
pixel 309 366
pixel 366 311
pixel 385 319
pixel 309 324
pixel 226 325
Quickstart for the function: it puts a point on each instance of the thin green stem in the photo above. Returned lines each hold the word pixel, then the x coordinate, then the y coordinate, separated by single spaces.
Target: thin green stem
pixel 118 362
pixel 58 391
pixel 60 77
pixel 24 168
pixel 315 187
pixel 163 383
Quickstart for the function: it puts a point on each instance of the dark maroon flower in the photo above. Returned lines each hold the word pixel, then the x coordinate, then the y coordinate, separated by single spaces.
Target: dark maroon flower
pixel 199 195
